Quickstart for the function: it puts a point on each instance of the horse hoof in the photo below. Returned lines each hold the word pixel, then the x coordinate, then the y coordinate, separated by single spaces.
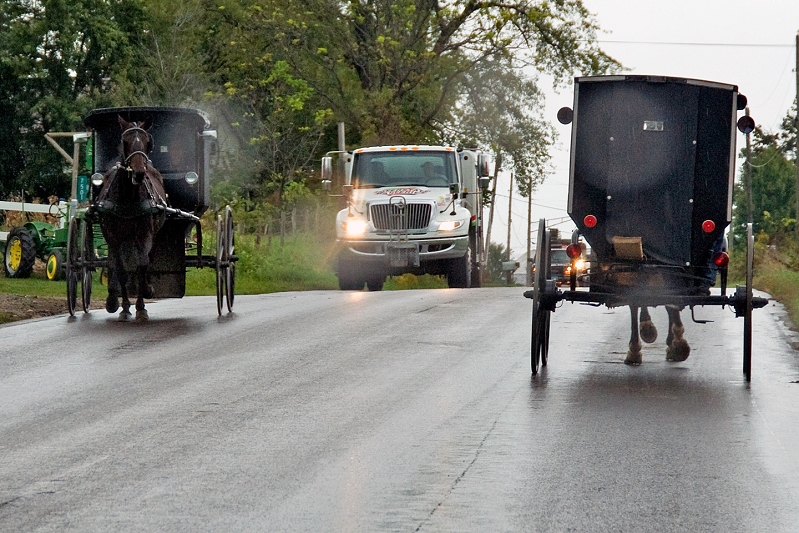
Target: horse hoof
pixel 633 359
pixel 111 304
pixel 649 332
pixel 124 316
pixel 141 314
pixel 678 351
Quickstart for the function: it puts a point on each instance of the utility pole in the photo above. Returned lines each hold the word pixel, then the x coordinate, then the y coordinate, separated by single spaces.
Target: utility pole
pixel 796 147
pixel 748 176
pixel 527 271
pixel 497 167
pixel 510 208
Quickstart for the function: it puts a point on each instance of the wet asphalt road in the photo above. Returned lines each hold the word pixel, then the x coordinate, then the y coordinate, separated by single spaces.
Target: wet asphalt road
pixel 393 411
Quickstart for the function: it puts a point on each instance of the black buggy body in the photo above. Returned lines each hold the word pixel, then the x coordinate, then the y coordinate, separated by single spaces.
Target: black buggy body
pixel 650 189
pixel 651 178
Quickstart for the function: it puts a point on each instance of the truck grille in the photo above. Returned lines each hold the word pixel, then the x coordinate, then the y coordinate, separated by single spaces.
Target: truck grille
pixel 388 217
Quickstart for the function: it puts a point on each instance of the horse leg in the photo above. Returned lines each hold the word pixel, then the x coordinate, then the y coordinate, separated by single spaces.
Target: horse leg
pixel 125 314
pixel 141 274
pixel 112 301
pixel 678 348
pixel 649 332
pixel 634 353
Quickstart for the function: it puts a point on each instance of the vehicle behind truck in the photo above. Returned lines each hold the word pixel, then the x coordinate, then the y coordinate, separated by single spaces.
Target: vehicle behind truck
pixel 409 209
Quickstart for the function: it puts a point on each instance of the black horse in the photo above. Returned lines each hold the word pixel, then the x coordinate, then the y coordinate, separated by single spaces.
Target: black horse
pixel 130 209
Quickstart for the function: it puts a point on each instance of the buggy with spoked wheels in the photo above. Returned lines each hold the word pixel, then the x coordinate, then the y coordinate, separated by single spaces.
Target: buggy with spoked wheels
pixel 650 189
pixel 175 158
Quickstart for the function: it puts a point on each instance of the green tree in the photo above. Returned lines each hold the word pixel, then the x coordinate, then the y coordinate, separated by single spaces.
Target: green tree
pixel 395 70
pixel 773 177
pixel 57 58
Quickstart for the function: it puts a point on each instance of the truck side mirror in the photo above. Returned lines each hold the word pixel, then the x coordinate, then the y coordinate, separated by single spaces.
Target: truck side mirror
pixel 483 163
pixel 327 173
pixel 454 189
pixel 484 182
pixel 346 190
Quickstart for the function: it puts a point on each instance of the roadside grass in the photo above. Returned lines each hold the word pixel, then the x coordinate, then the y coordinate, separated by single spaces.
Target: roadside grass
pixel 772 276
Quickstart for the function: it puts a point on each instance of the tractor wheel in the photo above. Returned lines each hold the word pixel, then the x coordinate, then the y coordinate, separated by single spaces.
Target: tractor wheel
pixel 55 266
pixel 20 254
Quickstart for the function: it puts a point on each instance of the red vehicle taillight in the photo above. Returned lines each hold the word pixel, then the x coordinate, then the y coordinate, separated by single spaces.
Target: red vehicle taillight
pixel 721 259
pixel 589 221
pixel 574 251
pixel 708 226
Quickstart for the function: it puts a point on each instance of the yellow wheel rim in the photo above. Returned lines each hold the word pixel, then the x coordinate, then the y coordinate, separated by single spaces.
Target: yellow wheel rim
pixel 14 254
pixel 51 267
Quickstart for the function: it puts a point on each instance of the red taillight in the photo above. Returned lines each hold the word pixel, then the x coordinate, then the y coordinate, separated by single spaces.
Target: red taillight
pixel 589 221
pixel 721 259
pixel 574 251
pixel 708 226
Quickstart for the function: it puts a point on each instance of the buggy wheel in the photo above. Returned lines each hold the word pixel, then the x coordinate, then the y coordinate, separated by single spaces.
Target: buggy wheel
pixel 539 345
pixel 20 253
pixel 220 242
pixel 73 253
pixel 545 340
pixel 230 265
pixel 750 255
pixel 87 263
pixel 54 268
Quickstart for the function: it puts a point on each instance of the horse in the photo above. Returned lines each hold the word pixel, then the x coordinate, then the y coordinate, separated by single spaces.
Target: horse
pixel 677 348
pixel 131 210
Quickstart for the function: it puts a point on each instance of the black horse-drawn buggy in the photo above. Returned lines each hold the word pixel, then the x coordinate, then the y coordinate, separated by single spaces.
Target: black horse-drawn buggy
pixel 149 188
pixel 650 189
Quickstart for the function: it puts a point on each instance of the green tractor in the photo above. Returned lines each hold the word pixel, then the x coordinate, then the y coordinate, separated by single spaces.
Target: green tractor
pixel 44 241
pixel 35 239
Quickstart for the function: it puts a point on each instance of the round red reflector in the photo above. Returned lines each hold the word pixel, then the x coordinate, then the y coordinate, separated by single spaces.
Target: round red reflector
pixel 589 221
pixel 708 226
pixel 721 259
pixel 574 251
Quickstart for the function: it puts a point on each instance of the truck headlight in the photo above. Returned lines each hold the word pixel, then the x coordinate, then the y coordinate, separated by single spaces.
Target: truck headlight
pixel 449 225
pixel 355 228
pixel 579 265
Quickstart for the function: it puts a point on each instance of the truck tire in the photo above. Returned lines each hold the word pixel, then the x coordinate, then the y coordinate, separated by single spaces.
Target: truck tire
pixel 375 283
pixel 459 271
pixel 55 266
pixel 349 276
pixel 20 254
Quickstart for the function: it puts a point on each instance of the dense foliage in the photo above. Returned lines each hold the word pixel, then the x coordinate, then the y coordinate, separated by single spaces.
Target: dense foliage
pixel 277 75
pixel 771 169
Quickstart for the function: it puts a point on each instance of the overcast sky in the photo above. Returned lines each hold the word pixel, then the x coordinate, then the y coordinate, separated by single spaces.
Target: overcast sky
pixel 717 40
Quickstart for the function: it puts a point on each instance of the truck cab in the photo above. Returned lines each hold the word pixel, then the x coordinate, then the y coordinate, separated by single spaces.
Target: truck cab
pixel 410 209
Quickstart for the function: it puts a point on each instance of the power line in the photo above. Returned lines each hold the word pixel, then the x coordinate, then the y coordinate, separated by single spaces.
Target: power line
pixel 737 45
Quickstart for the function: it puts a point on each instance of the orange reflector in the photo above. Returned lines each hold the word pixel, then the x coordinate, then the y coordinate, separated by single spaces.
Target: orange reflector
pixel 589 221
pixel 574 251
pixel 708 226
pixel 721 259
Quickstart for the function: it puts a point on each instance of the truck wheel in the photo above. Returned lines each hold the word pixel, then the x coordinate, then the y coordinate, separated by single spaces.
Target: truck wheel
pixel 375 283
pixel 55 266
pixel 346 283
pixel 20 254
pixel 459 273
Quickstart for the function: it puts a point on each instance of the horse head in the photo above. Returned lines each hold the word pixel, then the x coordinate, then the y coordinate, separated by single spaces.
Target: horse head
pixel 136 145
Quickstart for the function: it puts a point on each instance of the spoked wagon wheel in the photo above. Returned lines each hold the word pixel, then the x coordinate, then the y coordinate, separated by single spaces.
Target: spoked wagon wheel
pixel 87 263
pixel 750 256
pixel 539 346
pixel 220 247
pixel 230 265
pixel 73 255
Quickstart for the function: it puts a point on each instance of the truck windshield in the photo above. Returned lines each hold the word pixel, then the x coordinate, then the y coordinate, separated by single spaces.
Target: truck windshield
pixel 402 169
